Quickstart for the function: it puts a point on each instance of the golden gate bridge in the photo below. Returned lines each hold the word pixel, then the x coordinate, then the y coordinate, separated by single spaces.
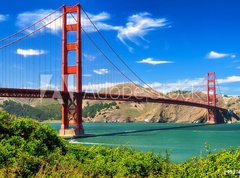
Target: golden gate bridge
pixel 57 51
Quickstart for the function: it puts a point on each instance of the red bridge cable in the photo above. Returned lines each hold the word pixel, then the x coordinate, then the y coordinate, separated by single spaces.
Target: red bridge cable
pixel 50 57
pixel 39 58
pixel 34 62
pixel 93 42
pixel 29 34
pixel 218 87
pixel 108 58
pixel 115 52
pixel 30 25
pixel 55 52
pixel 96 46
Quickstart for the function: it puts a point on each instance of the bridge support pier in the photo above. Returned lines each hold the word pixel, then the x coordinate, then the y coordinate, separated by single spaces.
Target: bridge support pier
pixel 211 97
pixel 72 115
pixel 72 105
pixel 211 116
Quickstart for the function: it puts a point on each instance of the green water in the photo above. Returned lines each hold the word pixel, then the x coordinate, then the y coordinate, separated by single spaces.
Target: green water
pixel 182 140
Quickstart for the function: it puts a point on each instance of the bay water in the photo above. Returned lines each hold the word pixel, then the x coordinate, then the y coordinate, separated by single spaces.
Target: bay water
pixel 182 140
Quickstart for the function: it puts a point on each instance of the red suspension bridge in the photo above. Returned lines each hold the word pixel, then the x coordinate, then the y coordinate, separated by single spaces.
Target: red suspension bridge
pixel 65 56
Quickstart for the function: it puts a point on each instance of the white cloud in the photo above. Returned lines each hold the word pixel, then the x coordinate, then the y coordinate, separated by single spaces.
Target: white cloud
pixel 89 57
pixel 48 86
pixel 17 67
pixel 153 62
pixel 135 29
pixel 138 26
pixel 185 84
pixel 30 52
pixel 3 17
pixel 188 83
pixel 198 84
pixel 99 21
pixel 45 82
pixel 87 75
pixel 216 55
pixel 230 79
pixel 100 86
pixel 101 71
pixel 27 18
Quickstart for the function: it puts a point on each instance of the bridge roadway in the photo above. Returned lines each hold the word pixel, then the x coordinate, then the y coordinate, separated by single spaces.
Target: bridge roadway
pixel 37 93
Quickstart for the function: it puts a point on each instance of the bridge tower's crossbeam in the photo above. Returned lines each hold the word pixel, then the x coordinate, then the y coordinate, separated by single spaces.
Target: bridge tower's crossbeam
pixel 211 96
pixel 72 106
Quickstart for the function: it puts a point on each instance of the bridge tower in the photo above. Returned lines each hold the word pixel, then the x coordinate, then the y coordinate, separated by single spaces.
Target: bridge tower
pixel 72 105
pixel 211 96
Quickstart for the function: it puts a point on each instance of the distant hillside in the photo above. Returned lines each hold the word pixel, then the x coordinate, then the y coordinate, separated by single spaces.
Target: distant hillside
pixel 40 112
pixel 151 112
pixel 115 111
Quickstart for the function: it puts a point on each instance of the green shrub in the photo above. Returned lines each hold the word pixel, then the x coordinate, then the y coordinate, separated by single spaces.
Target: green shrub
pixel 91 110
pixel 31 149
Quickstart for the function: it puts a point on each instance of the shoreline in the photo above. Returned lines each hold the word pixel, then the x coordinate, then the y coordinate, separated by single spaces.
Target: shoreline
pixel 59 121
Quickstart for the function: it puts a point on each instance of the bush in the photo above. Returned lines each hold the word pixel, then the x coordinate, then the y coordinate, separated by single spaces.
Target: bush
pixel 31 149
pixel 24 144
pixel 28 148
pixel 91 110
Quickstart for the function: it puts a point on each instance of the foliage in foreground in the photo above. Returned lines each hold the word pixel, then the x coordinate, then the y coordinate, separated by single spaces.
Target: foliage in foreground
pixel 30 149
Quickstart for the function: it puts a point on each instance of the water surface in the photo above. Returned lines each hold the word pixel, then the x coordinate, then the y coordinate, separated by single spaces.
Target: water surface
pixel 182 140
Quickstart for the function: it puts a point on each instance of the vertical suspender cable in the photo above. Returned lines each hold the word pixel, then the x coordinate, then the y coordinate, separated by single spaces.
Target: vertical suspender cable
pixel 50 52
pixel 34 61
pixel 45 59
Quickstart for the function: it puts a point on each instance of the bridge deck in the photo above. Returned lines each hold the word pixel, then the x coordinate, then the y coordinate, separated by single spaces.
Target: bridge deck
pixel 34 93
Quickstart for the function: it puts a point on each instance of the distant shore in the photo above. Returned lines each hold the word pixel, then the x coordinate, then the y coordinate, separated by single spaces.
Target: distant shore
pixel 51 121
pixel 59 121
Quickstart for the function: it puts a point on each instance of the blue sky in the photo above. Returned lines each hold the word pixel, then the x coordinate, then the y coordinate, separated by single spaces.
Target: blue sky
pixel 171 44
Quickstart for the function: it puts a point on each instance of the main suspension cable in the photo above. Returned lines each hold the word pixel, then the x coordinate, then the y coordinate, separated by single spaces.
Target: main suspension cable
pixel 96 46
pixel 26 28
pixel 118 56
